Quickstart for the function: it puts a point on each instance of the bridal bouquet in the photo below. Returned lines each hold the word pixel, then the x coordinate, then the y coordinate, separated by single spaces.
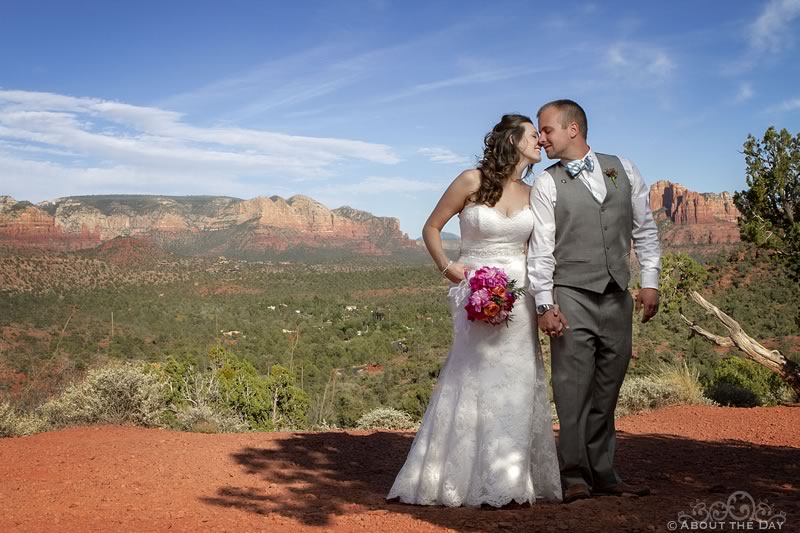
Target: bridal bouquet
pixel 493 296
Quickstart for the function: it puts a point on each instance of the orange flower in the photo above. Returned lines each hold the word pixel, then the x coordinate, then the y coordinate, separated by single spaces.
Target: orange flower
pixel 491 310
pixel 499 291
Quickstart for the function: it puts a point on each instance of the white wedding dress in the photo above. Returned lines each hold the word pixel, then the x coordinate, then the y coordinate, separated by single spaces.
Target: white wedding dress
pixel 487 437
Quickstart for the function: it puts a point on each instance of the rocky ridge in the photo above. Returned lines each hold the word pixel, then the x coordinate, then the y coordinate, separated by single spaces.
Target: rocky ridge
pixel 198 225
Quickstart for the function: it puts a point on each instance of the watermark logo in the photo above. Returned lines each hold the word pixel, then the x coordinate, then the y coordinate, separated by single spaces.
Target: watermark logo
pixel 740 512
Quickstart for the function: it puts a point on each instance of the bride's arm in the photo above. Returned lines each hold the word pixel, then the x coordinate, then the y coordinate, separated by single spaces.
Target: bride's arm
pixel 451 203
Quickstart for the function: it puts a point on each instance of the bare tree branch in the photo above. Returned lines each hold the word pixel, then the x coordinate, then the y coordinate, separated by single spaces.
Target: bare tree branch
pixel 788 370
pixel 716 339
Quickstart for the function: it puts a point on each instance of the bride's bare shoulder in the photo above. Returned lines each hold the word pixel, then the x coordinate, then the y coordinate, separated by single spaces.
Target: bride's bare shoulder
pixel 469 179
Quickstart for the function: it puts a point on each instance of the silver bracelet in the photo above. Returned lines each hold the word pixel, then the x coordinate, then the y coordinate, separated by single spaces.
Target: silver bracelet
pixel 445 268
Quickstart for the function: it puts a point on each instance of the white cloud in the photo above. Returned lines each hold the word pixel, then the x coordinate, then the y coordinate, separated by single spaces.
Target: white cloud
pixel 770 34
pixel 788 105
pixel 745 92
pixel 443 155
pixel 303 77
pixel 771 30
pixel 471 78
pixel 256 80
pixel 661 65
pixel 381 194
pixel 638 62
pixel 615 57
pixel 383 185
pixel 115 142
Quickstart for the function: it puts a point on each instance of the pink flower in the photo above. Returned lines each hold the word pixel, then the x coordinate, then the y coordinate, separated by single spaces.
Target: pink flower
pixel 479 299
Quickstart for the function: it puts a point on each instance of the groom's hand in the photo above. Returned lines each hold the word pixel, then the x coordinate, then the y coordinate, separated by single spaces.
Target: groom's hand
pixel 553 323
pixel 647 299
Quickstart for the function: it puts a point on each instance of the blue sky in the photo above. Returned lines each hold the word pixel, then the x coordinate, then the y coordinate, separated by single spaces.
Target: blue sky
pixel 375 104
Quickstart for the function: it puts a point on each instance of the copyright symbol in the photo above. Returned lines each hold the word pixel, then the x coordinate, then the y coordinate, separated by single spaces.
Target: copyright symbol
pixel 672 525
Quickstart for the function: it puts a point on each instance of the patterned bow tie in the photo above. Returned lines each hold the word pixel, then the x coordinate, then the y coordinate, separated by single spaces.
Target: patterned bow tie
pixel 574 167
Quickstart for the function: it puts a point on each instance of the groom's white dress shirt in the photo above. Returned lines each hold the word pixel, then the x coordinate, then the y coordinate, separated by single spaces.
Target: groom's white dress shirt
pixel 541 262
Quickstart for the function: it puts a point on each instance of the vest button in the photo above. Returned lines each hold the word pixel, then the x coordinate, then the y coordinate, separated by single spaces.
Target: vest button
pixel 605 228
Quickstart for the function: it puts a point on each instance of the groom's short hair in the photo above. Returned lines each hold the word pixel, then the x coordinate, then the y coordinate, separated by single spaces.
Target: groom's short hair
pixel 570 112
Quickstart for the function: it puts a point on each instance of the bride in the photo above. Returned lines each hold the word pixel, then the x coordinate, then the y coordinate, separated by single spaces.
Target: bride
pixel 486 437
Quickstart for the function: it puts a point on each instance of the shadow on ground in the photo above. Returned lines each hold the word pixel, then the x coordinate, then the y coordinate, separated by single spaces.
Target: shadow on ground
pixel 311 477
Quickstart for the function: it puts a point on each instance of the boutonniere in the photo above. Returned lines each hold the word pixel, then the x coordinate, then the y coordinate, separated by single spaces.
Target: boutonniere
pixel 611 173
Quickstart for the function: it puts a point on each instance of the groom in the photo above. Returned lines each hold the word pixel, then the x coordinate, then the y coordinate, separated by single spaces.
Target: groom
pixel 587 209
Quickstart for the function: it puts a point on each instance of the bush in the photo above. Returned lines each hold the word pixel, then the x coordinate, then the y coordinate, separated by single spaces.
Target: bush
pixel 179 375
pixel 386 418
pixel 115 394
pixel 244 391
pixel 231 396
pixel 673 384
pixel 684 380
pixel 732 395
pixel 205 419
pixel 734 375
pixel 15 424
pixel 642 393
pixel 324 426
pixel 264 402
pixel 195 402
pixel 290 403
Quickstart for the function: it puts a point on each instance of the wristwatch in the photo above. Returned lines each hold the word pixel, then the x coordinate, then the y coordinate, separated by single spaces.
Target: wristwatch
pixel 543 308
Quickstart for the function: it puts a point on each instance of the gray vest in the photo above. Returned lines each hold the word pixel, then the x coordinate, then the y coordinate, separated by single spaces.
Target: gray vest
pixel 593 240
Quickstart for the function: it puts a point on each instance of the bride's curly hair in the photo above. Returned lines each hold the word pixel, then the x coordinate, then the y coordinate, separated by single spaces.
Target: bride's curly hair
pixel 500 157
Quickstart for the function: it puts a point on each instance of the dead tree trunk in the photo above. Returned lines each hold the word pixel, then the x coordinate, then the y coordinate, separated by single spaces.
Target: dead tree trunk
pixel 789 371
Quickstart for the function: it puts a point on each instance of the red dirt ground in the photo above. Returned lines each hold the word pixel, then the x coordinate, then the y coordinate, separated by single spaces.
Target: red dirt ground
pixel 132 479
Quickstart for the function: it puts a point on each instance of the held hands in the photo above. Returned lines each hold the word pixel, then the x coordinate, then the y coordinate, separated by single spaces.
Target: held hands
pixel 647 299
pixel 553 323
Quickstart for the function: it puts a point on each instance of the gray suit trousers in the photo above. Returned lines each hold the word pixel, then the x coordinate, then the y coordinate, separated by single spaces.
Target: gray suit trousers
pixel 588 366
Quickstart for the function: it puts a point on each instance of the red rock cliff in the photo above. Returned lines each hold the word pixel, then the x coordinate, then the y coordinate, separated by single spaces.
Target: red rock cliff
pixel 693 218
pixel 198 225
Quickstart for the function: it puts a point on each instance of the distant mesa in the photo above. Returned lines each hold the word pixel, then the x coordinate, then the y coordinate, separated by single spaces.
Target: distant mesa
pixel 260 227
pixel 296 228
pixel 446 236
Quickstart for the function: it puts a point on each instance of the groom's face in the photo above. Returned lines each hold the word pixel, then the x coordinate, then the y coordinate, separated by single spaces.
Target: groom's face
pixel 554 138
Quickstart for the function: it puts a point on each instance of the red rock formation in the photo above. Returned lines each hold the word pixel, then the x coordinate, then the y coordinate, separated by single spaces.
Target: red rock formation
pixel 693 218
pixel 198 225
pixel 24 224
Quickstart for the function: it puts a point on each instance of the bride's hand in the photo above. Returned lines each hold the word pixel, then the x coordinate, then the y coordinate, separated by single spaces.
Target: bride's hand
pixel 455 273
pixel 553 323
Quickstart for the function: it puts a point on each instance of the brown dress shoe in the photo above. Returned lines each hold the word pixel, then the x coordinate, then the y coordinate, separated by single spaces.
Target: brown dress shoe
pixel 619 489
pixel 578 491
